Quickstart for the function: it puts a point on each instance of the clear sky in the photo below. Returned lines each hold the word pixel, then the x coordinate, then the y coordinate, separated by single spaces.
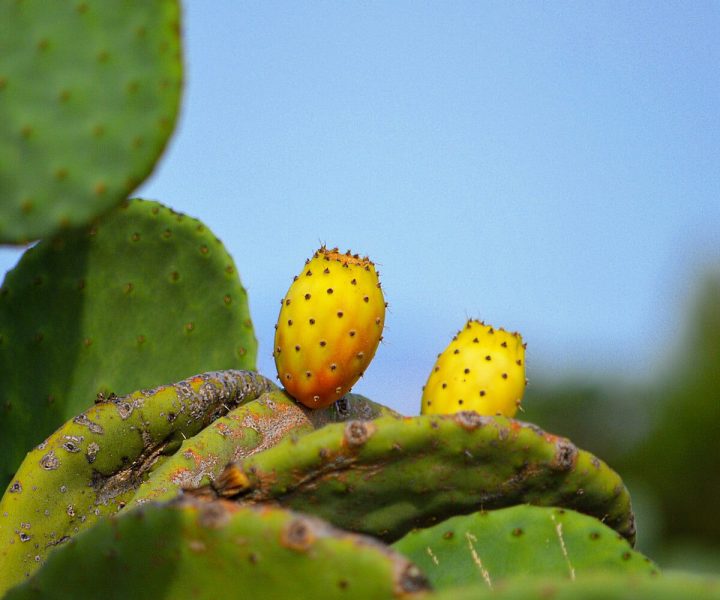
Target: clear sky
pixel 552 168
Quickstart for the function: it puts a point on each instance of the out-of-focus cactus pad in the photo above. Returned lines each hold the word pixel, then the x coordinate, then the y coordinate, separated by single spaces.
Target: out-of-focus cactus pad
pixel 141 297
pixel 386 476
pixel 196 549
pixel 89 94
pixel 596 586
pixel 524 540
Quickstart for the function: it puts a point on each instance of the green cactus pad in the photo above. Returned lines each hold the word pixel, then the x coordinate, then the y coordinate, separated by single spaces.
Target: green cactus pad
pixel 142 297
pixel 89 94
pixel 595 586
pixel 93 464
pixel 489 546
pixel 387 476
pixel 244 431
pixel 194 550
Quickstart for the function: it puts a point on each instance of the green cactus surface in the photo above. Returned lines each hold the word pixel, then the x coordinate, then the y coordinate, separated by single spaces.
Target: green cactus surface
pixel 524 540
pixel 142 297
pixel 93 464
pixel 245 430
pixel 387 476
pixel 596 586
pixel 192 549
pixel 89 94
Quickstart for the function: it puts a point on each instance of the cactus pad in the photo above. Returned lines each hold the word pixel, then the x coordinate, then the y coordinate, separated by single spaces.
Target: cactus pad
pixel 93 464
pixel 195 549
pixel 523 540
pixel 245 430
pixel 595 586
pixel 387 476
pixel 142 297
pixel 89 93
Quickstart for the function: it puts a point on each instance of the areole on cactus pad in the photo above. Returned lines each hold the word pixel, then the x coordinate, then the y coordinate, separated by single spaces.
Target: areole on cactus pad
pixel 329 327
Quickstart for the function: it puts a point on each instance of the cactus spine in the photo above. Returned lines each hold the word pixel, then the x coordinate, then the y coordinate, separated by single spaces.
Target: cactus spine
pixel 329 327
pixel 482 369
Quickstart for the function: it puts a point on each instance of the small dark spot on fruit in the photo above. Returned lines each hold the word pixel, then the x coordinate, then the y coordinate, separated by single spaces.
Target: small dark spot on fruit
pixel 340 314
pixel 488 357
pixel 323 343
pixel 307 296
pixel 504 375
pixel 311 321
pixel 297 348
pixel 504 344
pixel 517 531
pixel 448 535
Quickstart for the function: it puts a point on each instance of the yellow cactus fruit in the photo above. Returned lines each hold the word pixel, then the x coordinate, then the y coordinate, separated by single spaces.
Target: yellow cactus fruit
pixel 483 369
pixel 329 327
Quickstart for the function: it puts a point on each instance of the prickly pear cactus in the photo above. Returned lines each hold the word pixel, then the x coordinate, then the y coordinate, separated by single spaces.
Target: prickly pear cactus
pixel 142 297
pixel 387 476
pixel 489 546
pixel 483 369
pixel 192 549
pixel 89 94
pixel 597 586
pixel 244 431
pixel 93 464
pixel 329 327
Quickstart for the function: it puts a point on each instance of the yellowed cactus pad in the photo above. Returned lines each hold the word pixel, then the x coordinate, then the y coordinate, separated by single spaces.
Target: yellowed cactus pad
pixel 483 369
pixel 329 327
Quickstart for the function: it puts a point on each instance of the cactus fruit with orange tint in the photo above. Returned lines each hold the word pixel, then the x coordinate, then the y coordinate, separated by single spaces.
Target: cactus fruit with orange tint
pixel 329 327
pixel 483 369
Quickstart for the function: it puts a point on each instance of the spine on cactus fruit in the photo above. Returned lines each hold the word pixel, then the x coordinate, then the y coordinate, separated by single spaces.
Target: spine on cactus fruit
pixel 329 327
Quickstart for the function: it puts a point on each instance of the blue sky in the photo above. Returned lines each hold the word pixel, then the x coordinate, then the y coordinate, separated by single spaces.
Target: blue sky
pixel 548 167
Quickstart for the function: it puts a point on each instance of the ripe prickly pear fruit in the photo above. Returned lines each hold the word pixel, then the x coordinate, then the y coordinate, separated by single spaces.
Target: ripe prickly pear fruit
pixel 329 327
pixel 483 369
